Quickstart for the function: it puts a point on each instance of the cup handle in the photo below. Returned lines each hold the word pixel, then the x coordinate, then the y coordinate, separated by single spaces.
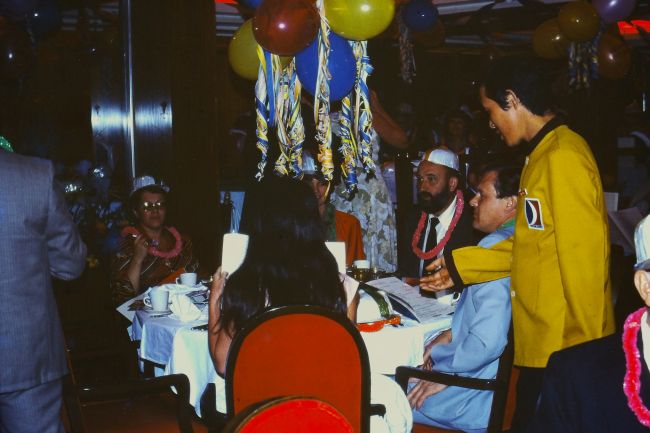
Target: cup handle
pixel 147 301
pixel 178 280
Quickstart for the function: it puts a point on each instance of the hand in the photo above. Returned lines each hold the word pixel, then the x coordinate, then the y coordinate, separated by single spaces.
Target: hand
pixel 216 288
pixel 443 338
pixel 423 389
pixel 439 280
pixel 140 248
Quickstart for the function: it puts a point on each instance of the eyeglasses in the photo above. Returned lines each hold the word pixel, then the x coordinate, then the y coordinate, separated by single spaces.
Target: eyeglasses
pixel 148 206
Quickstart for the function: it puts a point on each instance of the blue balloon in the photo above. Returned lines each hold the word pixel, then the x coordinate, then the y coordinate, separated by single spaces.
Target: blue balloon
pixel 251 4
pixel 420 15
pixel 341 64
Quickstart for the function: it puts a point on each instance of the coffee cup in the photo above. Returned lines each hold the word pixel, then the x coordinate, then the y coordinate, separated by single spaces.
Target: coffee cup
pixel 187 279
pixel 157 298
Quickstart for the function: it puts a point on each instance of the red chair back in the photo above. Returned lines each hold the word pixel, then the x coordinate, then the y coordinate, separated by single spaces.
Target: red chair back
pixel 300 351
pixel 289 414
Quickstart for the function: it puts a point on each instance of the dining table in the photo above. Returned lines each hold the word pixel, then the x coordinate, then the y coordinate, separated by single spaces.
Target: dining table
pixel 181 347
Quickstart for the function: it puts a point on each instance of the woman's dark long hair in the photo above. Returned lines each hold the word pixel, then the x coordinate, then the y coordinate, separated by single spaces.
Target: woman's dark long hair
pixel 287 262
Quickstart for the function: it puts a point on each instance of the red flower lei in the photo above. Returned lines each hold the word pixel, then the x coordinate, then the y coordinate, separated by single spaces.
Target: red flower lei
pixel 460 204
pixel 152 250
pixel 632 380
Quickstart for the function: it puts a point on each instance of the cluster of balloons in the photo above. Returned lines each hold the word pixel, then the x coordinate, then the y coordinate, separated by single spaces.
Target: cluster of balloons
pixel 290 28
pixel 579 21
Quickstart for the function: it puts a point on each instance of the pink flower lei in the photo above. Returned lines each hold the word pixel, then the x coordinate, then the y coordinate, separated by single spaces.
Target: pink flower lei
pixel 632 380
pixel 460 204
pixel 152 250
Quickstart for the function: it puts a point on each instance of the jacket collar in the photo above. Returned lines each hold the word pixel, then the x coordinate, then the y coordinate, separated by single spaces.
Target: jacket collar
pixel 548 127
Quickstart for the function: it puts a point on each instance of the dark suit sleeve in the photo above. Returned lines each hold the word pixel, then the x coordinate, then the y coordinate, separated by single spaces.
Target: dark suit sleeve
pixel 66 251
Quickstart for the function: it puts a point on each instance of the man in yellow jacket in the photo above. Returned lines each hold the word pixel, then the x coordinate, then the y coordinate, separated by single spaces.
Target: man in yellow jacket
pixel 558 258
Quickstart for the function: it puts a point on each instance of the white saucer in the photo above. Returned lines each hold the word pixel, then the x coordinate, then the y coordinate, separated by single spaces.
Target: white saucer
pixel 150 311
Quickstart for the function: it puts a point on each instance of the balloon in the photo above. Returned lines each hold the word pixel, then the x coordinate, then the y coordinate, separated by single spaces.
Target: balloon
pixel 359 19
pixel 285 27
pixel 45 18
pixel 611 11
pixel 341 64
pixel 251 4
pixel 578 21
pixel 420 15
pixel 614 57
pixel 548 40
pixel 16 54
pixel 242 52
pixel 431 38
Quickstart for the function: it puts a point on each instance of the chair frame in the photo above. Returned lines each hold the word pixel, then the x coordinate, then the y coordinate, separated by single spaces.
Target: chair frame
pixel 74 395
pixel 499 385
pixel 272 313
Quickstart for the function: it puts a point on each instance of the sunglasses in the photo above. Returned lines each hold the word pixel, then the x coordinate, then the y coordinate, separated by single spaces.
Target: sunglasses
pixel 148 206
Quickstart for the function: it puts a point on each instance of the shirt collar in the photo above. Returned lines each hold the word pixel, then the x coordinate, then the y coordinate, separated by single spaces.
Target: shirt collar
pixel 548 127
pixel 448 214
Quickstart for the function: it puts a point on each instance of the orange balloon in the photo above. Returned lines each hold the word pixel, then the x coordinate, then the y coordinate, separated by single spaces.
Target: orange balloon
pixel 285 27
pixel 578 21
pixel 548 40
pixel 614 57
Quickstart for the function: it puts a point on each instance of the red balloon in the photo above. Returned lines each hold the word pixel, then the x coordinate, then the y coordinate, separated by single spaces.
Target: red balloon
pixel 285 27
pixel 614 57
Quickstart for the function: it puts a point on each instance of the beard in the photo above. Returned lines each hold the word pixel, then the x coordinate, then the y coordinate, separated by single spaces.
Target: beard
pixel 430 203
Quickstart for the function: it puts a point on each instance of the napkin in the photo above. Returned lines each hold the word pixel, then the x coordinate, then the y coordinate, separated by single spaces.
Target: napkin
pixel 368 310
pixel 183 308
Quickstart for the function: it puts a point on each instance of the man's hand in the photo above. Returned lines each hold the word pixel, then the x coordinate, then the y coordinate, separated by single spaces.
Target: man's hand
pixel 439 279
pixel 423 389
pixel 443 338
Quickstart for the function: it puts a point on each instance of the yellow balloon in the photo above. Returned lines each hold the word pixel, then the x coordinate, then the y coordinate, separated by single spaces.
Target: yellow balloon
pixel 579 21
pixel 548 41
pixel 359 19
pixel 242 52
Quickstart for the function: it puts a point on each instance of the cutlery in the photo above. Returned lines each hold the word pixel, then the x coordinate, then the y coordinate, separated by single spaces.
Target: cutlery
pixel 200 328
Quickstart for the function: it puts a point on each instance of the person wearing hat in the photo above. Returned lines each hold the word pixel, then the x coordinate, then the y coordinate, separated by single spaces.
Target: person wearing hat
pixel 479 328
pixel 603 386
pixel 150 251
pixel 339 226
pixel 442 221
pixel 558 258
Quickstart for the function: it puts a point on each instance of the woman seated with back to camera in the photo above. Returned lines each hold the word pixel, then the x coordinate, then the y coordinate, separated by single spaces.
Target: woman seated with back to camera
pixel 150 251
pixel 286 263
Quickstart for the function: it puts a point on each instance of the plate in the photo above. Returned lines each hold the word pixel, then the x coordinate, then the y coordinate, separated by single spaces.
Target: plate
pixel 150 311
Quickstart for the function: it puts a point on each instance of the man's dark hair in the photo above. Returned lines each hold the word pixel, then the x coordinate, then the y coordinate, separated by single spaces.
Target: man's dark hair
pixel 506 183
pixel 527 77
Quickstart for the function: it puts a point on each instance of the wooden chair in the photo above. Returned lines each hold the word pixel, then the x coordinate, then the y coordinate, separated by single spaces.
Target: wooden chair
pixel 294 414
pixel 499 385
pixel 126 400
pixel 300 351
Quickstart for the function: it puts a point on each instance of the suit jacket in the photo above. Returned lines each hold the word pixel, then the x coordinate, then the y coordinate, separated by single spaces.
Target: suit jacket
pixel 583 390
pixel 39 241
pixel 479 332
pixel 462 236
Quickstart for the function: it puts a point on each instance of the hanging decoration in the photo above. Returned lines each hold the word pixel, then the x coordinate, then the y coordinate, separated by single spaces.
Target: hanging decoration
pixel 406 57
pixel 4 144
pixel 322 118
pixel 583 63
pixel 331 68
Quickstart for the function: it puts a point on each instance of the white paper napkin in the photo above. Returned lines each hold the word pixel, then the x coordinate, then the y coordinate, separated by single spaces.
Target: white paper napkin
pixel 183 308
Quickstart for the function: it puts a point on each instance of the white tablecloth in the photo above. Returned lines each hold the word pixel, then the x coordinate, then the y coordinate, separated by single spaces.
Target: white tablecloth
pixel 173 344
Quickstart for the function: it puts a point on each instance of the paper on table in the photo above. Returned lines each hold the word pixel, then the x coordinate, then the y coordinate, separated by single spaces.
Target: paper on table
pixel 124 308
pixel 426 309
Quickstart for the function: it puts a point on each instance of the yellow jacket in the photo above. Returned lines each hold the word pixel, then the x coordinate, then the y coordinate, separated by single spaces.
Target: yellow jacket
pixel 558 258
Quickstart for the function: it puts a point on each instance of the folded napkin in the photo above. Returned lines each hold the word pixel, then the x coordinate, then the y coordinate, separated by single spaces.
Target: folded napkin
pixel 183 307
pixel 368 309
